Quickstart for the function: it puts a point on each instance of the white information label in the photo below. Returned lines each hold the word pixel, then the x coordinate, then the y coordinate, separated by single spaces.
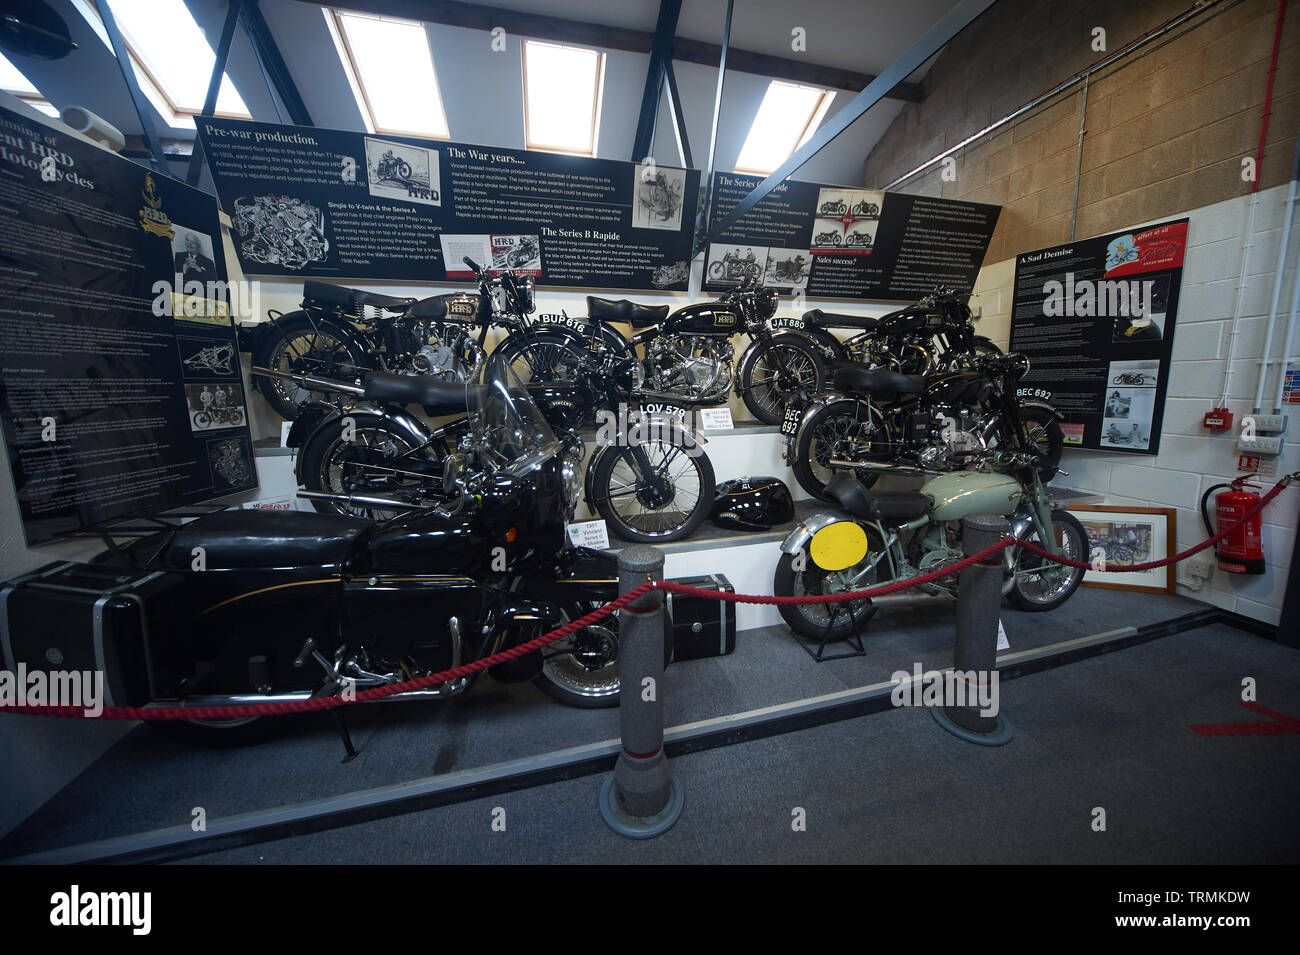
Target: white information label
pixel 284 433
pixel 589 534
pixel 270 504
pixel 716 419
pixel 1003 644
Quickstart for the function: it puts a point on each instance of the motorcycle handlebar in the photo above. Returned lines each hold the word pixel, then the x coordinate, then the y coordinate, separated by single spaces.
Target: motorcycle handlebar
pixel 473 265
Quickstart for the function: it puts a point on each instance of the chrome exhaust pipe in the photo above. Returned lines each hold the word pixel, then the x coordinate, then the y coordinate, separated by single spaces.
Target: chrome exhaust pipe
pixel 882 468
pixel 309 381
pixel 362 500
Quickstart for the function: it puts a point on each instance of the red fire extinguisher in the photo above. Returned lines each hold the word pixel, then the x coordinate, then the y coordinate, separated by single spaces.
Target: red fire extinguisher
pixel 1242 551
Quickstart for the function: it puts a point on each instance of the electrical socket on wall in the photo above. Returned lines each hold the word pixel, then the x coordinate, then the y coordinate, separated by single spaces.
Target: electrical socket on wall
pixel 1270 423
pixel 1199 569
pixel 1259 444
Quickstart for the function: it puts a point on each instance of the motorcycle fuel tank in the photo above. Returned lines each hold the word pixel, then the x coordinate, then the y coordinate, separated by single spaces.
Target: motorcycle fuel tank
pixel 704 318
pixel 959 493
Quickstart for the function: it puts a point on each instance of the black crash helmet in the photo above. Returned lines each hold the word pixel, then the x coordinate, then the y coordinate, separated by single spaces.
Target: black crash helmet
pixel 753 504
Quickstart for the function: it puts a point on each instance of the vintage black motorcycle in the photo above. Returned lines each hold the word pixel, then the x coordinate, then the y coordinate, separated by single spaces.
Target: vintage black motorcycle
pixel 341 333
pixel 825 239
pixel 649 477
pixel 914 340
pixel 874 421
pixel 255 606
pixel 688 355
pixel 834 207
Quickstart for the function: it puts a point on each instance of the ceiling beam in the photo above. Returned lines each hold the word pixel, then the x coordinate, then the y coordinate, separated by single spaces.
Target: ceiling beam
pixel 560 30
pixel 660 56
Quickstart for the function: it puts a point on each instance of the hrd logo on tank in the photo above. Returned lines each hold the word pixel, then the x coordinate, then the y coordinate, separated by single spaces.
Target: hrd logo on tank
pixel 76 908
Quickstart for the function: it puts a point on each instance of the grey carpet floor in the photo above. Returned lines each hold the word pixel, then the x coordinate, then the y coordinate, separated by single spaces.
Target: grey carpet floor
pixel 1083 739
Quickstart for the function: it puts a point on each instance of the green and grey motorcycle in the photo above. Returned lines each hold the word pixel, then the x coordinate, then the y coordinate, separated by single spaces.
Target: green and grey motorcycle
pixel 877 537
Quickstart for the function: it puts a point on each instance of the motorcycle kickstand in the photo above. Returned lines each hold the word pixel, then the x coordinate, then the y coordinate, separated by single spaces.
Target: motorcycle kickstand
pixel 341 722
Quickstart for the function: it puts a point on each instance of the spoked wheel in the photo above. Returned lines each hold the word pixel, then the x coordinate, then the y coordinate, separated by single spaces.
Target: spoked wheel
pixel 302 348
pixel 829 621
pixel 782 371
pixel 1041 584
pixel 666 504
pixel 202 419
pixel 842 430
pixel 376 462
pixel 540 358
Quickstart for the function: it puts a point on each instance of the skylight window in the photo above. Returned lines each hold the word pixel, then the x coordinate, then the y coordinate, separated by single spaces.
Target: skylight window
pixel 562 88
pixel 13 81
pixel 171 56
pixel 787 118
pixel 390 67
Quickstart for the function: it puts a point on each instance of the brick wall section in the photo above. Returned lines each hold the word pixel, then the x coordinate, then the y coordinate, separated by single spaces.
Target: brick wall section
pixel 1165 132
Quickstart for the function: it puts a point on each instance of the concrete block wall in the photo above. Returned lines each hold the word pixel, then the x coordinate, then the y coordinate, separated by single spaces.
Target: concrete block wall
pixel 1166 129
pixel 1192 458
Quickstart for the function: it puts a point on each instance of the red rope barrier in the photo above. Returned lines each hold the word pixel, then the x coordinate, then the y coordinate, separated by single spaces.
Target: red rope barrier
pixel 240 711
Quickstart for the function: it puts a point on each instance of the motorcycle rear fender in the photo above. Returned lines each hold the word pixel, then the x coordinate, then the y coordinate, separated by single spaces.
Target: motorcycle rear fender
pixel 821 401
pixel 828 343
pixel 310 415
pixel 409 426
pixel 337 323
pixel 805 530
pixel 574 338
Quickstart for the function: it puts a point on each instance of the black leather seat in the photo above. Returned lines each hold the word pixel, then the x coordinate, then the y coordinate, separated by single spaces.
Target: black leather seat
pixel 239 538
pixel 886 506
pixel 832 320
pixel 343 297
pixel 850 376
pixel 622 310
pixel 438 397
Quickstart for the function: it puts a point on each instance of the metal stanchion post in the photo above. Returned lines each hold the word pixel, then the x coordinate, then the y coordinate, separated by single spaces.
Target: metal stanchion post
pixel 979 601
pixel 642 799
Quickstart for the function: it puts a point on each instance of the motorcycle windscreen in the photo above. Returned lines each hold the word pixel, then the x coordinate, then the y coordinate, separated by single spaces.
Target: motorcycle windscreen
pixel 509 427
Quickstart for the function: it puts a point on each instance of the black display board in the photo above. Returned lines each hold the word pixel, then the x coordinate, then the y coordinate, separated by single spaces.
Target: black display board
pixel 120 393
pixel 842 242
pixel 1096 319
pixel 329 203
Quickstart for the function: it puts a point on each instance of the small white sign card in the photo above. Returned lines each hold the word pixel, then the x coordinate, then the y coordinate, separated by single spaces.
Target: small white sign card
pixel 1002 637
pixel 284 433
pixel 716 419
pixel 589 534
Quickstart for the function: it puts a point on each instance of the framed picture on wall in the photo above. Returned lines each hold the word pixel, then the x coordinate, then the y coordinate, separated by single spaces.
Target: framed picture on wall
pixel 1120 537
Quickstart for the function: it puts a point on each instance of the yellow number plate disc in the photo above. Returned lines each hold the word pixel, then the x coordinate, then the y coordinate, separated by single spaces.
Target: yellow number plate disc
pixel 838 546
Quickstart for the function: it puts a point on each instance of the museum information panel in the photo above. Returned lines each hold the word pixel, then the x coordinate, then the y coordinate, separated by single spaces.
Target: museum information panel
pixel 119 376
pixel 332 204
pixel 1096 319
pixel 839 242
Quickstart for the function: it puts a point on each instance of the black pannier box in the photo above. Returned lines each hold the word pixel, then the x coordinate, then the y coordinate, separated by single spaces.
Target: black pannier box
pixel 82 617
pixel 702 627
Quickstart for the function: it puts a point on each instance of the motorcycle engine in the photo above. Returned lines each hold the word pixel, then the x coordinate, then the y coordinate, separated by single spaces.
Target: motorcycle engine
pixel 692 366
pixel 447 354
pixel 953 440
